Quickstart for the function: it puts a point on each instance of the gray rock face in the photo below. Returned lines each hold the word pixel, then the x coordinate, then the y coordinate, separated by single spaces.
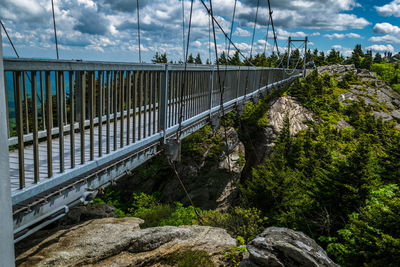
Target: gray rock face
pixel 211 185
pixel 280 109
pixel 120 242
pixel 285 247
pixel 382 115
pixel 82 213
pixel 336 69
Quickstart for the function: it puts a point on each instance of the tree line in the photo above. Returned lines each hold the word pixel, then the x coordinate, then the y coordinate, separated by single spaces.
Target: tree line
pixel 358 57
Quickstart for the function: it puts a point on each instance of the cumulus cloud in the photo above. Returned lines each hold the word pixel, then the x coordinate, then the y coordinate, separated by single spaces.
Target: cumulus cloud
pixel 389 39
pixel 110 26
pixel 342 35
pixel 381 48
pixel 283 35
pixel 346 51
pixel 386 28
pixel 391 9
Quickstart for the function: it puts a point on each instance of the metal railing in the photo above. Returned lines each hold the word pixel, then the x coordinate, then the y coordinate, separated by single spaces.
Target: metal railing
pixel 62 114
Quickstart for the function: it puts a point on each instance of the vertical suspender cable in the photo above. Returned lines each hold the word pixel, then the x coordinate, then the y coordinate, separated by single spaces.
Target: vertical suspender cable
pixel 138 29
pixel 9 39
pixel 254 29
pixel 273 27
pixel 222 30
pixel 183 30
pixel 185 75
pixel 55 29
pixel 251 48
pixel 209 38
pixel 266 36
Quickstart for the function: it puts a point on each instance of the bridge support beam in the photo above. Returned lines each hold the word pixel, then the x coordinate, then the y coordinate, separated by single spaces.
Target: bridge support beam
pixel 6 220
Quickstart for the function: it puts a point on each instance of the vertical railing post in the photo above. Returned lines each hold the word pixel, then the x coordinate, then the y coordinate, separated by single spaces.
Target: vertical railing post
pixel 238 87
pixel 211 87
pixel 164 102
pixel 6 219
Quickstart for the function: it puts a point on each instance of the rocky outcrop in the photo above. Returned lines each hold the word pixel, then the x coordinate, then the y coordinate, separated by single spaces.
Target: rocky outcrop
pixel 82 213
pixel 285 247
pixel 281 108
pixel 339 70
pixel 212 184
pixel 120 242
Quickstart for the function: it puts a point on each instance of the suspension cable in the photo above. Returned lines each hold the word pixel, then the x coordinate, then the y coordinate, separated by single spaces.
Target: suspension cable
pixel 172 164
pixel 138 29
pixel 266 36
pixel 214 20
pixel 254 29
pixel 182 95
pixel 251 48
pixel 209 38
pixel 55 29
pixel 183 30
pixel 9 39
pixel 273 27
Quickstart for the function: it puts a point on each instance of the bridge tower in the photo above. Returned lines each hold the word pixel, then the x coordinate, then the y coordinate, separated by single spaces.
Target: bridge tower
pixel 303 42
pixel 6 220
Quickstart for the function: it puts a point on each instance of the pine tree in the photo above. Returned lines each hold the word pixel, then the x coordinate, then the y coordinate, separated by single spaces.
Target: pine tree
pixel 378 58
pixel 198 59
pixel 235 59
pixel 190 59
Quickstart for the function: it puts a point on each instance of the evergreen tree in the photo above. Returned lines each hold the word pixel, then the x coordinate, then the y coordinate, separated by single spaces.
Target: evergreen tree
pixel 367 61
pixel 198 59
pixel 160 58
pixel 235 59
pixel 222 59
pixel 378 58
pixel 190 59
pixel 334 57
pixel 357 56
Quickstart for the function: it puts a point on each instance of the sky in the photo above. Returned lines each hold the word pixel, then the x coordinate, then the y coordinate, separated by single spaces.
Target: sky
pixel 106 30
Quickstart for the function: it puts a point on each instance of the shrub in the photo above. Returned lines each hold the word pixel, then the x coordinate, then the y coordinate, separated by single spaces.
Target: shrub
pixel 189 258
pixel 246 223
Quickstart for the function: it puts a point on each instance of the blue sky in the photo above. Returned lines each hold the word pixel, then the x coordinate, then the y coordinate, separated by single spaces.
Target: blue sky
pixel 106 29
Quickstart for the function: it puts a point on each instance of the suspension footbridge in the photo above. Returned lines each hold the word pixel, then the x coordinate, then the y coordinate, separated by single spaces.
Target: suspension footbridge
pixel 68 128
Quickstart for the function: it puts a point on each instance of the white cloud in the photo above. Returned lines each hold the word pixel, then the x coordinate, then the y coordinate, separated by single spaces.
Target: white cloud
pixel 241 32
pixel 283 35
pixel 342 35
pixel 389 39
pixel 386 28
pixel 381 48
pixel 345 51
pixel 391 9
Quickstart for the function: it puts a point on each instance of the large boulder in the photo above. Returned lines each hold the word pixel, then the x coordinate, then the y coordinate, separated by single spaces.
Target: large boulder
pixel 285 247
pixel 121 242
pixel 82 213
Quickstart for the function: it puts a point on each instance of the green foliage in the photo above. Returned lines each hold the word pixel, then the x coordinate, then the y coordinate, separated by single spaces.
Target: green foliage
pixel 313 182
pixel 189 258
pixel 334 57
pixel 389 72
pixel 372 236
pixel 198 60
pixel 201 141
pixel 111 197
pixel 235 255
pixel 157 58
pixel 246 223
pixel 149 208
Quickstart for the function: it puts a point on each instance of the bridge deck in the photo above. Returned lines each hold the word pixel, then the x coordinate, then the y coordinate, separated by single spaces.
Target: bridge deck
pixel 28 151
